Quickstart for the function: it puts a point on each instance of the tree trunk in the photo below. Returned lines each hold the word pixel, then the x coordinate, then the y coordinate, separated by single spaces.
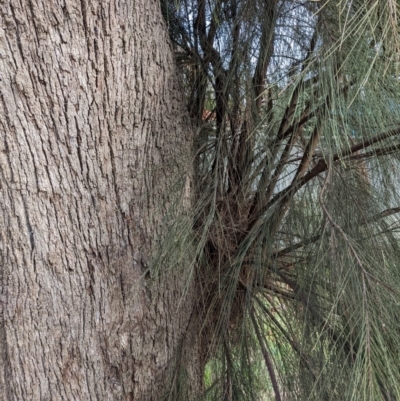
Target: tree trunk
pixel 94 142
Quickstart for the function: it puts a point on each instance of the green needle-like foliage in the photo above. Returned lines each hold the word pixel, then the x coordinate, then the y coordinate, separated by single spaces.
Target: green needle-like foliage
pixel 294 234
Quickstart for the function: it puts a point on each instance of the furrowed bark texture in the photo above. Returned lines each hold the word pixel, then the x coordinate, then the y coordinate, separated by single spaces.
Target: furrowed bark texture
pixel 93 142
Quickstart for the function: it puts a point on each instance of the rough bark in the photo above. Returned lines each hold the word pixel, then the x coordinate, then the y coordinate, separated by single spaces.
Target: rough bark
pixel 93 141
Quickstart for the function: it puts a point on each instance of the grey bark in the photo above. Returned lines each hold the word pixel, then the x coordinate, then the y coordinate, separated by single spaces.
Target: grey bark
pixel 93 143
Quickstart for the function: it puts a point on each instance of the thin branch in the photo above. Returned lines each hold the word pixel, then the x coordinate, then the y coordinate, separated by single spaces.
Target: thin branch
pixel 308 241
pixel 284 332
pixel 388 212
pixel 377 152
pixel 308 153
pixel 322 166
pixel 292 248
pixel 266 51
pixel 267 359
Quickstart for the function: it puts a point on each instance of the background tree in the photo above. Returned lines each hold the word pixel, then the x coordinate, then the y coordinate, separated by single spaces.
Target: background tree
pixel 297 111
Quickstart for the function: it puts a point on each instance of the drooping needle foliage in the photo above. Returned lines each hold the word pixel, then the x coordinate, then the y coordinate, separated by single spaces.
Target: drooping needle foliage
pixel 296 107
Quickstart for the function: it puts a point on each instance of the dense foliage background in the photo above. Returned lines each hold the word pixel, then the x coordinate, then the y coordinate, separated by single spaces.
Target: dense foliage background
pixel 296 246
